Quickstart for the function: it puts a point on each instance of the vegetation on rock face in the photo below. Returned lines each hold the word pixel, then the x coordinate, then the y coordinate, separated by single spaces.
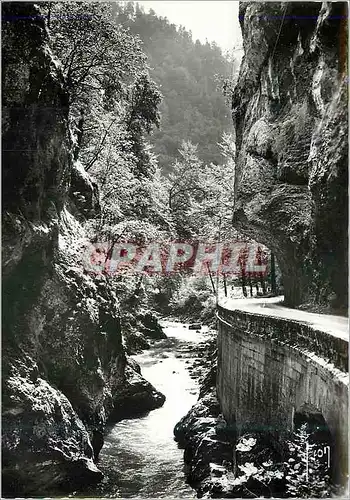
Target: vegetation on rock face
pixel 306 474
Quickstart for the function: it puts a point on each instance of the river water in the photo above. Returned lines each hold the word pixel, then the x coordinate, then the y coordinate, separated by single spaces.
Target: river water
pixel 140 457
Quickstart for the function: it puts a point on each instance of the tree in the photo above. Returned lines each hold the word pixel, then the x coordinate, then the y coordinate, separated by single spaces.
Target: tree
pixel 113 106
pixel 306 475
pixel 98 56
pixel 200 195
pixel 142 115
pixel 101 61
pixel 185 72
pixel 185 190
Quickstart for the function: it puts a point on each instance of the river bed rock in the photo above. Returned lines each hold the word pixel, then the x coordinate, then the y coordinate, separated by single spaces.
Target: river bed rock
pixel 40 426
pixel 140 330
pixel 218 463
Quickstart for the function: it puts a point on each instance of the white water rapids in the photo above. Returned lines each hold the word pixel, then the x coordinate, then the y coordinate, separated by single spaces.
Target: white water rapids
pixel 140 457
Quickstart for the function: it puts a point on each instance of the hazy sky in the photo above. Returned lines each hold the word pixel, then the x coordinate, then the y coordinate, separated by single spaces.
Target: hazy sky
pixel 216 20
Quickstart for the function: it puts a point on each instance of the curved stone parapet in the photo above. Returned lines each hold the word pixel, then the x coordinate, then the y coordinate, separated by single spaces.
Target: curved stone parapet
pixel 269 368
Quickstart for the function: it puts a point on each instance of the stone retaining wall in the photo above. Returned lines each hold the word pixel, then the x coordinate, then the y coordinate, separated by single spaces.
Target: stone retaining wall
pixel 268 368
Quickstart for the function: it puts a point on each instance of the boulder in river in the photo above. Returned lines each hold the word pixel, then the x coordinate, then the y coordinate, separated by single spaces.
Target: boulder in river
pixel 194 326
pixel 150 326
pixel 135 397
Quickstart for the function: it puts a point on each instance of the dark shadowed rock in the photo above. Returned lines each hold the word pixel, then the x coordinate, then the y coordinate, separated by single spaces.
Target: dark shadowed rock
pixel 135 397
pixel 42 432
pixel 200 431
pixel 194 326
pixel 64 368
pixel 150 326
pixel 200 434
pixel 97 442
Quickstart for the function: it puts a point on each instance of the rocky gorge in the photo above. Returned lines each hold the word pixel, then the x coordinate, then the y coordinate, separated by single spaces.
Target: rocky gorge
pixel 289 110
pixel 68 368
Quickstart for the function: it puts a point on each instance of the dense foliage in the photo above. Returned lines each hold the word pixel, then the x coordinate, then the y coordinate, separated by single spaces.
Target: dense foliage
pixel 188 74
pixel 113 107
pixel 148 123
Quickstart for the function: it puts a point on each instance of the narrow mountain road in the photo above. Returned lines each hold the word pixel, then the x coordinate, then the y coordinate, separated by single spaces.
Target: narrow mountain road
pixel 337 326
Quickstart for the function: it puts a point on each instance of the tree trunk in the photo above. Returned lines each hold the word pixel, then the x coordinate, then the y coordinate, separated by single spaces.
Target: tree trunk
pixel 211 278
pixel 225 285
pixel 273 275
pixel 250 285
pixel 244 283
pixel 262 283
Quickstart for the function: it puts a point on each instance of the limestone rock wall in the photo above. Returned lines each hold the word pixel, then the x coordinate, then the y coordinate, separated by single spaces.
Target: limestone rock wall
pixel 290 114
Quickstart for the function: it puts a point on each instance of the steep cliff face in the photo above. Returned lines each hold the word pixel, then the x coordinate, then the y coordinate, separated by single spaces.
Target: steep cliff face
pixel 290 113
pixel 65 372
